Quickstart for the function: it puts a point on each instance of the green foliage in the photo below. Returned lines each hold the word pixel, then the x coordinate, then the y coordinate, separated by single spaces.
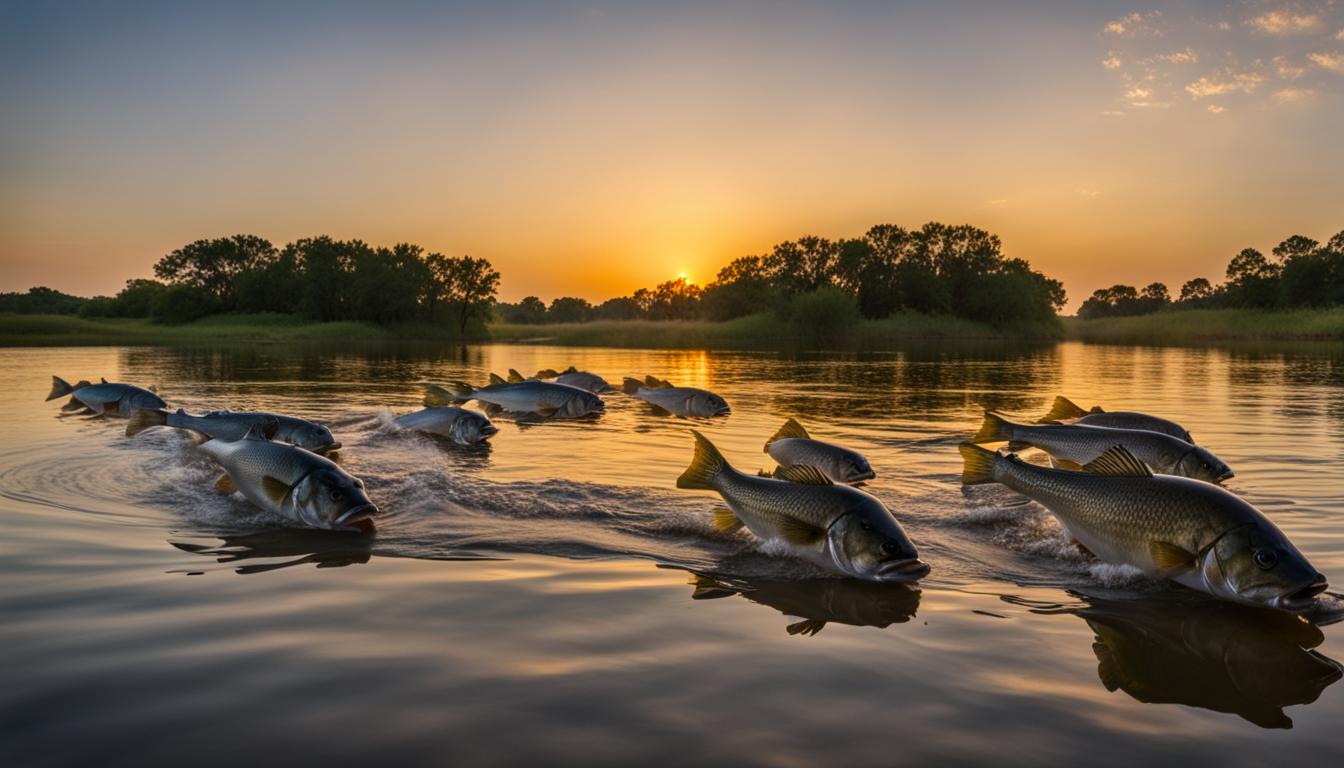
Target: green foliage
pixel 179 304
pixel 568 309
pixel 1125 301
pixel 41 301
pixel 826 313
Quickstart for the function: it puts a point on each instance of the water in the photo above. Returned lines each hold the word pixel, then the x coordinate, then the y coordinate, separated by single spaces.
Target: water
pixel 555 599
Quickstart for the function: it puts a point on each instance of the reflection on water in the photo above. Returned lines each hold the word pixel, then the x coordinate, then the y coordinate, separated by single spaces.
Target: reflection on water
pixel 1189 650
pixel 813 603
pixel 509 608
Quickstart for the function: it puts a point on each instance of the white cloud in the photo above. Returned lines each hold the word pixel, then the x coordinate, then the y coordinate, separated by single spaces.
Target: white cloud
pixel 1287 69
pixel 1134 24
pixel 1331 61
pixel 1293 95
pixel 1111 62
pixel 1284 22
pixel 1138 93
pixel 1217 110
pixel 1123 24
pixel 1223 83
pixel 1179 57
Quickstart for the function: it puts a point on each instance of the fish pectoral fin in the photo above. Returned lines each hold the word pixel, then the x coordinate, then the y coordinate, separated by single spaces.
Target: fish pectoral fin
pixel 1170 557
pixel 276 490
pixel 224 485
pixel 1117 461
pixel 799 532
pixel 1071 466
pixel 1017 446
pixel 495 378
pixel 659 410
pixel 491 408
pixel 807 627
pixel 725 520
pixel 803 474
pixel 547 411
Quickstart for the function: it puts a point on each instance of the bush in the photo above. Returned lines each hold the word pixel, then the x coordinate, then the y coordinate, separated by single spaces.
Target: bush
pixel 826 313
pixel 183 304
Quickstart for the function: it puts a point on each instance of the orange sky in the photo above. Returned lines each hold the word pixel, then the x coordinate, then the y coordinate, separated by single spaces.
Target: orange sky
pixel 592 149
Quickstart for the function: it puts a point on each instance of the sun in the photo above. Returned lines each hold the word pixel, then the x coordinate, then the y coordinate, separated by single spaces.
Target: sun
pixel 683 276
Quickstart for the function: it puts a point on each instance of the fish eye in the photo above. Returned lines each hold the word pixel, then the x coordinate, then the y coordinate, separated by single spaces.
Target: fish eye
pixel 1265 558
pixel 337 494
pixel 865 526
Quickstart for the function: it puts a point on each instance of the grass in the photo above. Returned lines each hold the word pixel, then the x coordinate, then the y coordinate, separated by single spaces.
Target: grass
pixel 66 330
pixel 1200 326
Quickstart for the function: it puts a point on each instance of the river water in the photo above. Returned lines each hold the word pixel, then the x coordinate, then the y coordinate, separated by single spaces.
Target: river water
pixel 554 599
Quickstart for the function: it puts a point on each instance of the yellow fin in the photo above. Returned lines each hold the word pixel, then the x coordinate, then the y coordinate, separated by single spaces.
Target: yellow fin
pixel 1170 557
pixel 495 378
pixel 275 490
pixel 725 520
pixel 1117 462
pixel 571 369
pixel 799 532
pixel 515 377
pixel 1063 409
pixel 455 392
pixel 993 429
pixel 803 474
pixel 791 430
pixel 547 373
pixel 547 411
pixel 653 382
pixel 807 627
pixel 706 464
pixel 224 485
pixel 59 388
pixel 630 386
pixel 977 464
pixel 1071 466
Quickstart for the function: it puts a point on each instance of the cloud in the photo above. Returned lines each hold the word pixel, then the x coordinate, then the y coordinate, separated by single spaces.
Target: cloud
pixel 1134 24
pixel 1284 22
pixel 1287 69
pixel 1111 62
pixel 1293 95
pixel 1339 35
pixel 1331 61
pixel 1178 57
pixel 1223 83
pixel 1088 193
pixel 1114 113
pixel 1124 24
pixel 1217 110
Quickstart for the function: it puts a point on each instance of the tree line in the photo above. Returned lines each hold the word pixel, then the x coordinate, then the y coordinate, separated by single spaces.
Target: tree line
pixel 1302 273
pixel 320 278
pixel 937 269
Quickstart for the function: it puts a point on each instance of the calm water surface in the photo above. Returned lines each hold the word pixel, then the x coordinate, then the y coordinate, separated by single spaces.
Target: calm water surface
pixel 555 599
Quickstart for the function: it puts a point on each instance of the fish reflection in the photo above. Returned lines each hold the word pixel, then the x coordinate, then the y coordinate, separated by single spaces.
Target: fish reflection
pixel 816 602
pixel 323 549
pixel 1246 661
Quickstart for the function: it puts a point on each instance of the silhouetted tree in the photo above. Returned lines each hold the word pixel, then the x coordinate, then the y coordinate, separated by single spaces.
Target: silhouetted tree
pixel 472 289
pixel 1252 281
pixel 568 309
pixel 214 265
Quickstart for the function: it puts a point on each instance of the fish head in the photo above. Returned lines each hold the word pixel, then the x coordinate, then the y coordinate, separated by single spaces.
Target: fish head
pixel 854 469
pixel 329 498
pixel 582 404
pixel 146 401
pixel 709 404
pixel 1256 564
pixel 471 428
pixel 315 438
pixel 1201 464
pixel 867 543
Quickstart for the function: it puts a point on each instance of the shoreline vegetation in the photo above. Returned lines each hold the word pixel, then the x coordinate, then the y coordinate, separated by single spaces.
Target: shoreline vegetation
pixel 760 331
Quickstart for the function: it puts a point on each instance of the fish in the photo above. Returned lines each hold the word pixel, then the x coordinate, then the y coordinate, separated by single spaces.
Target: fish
pixel 105 398
pixel 230 425
pixel 542 398
pixel 814 603
pixel 791 446
pixel 1187 649
pixel 678 401
pixel 460 425
pixel 1188 531
pixel 834 526
pixel 1072 446
pixel 1064 411
pixel 573 377
pixel 297 485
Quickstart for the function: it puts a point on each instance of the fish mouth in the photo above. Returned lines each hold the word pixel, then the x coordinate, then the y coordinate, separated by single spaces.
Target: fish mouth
pixel 336 446
pixel 912 569
pixel 724 411
pixel 869 475
pixel 1304 598
pixel 488 430
pixel 358 519
pixel 1228 475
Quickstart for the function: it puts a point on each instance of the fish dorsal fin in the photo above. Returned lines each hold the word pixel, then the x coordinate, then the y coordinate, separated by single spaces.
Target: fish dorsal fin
pixel 274 488
pixel 1096 409
pixel 515 377
pixel 495 378
pixel 799 532
pixel 803 474
pixel 725 520
pixel 1117 462
pixel 806 627
pixel 653 382
pixel 791 430
pixel 102 380
pixel 571 369
pixel 1171 557
pixel 547 373
pixel 82 383
pixel 181 411
pixel 1063 409
pixel 224 485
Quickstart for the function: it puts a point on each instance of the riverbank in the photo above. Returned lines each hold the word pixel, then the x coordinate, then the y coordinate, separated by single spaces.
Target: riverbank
pixel 1200 326
pixel 753 332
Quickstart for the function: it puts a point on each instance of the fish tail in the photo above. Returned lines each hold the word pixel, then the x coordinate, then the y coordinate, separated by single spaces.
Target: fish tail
pixel 706 464
pixel 143 419
pixel 455 392
pixel 791 429
pixel 631 386
pixel 59 388
pixel 977 464
pixel 1062 410
pixel 993 429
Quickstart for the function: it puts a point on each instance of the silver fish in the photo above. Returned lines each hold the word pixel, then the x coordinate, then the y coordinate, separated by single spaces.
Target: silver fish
pixel 460 425
pixel 536 397
pixel 1064 411
pixel 1072 446
pixel 791 446
pixel 573 377
pixel 104 398
pixel 678 401
pixel 297 485
pixel 1192 532
pixel 230 425
pixel 835 526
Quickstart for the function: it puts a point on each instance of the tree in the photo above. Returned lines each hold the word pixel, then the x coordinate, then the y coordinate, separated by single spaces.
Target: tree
pixel 675 300
pixel 620 308
pixel 802 265
pixel 741 288
pixel 1196 290
pixel 1252 281
pixel 472 290
pixel 1293 247
pixel 529 311
pixel 568 309
pixel 214 265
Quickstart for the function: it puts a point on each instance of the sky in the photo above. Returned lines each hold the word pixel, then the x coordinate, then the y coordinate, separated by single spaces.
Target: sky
pixel 590 149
